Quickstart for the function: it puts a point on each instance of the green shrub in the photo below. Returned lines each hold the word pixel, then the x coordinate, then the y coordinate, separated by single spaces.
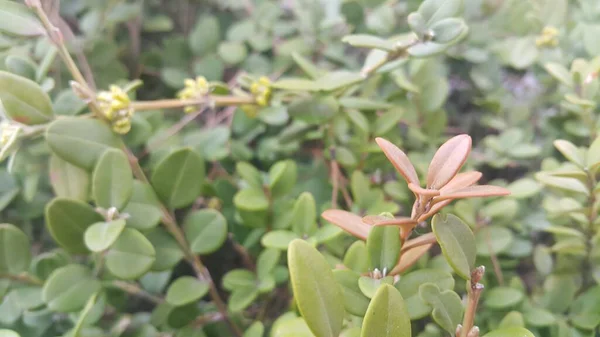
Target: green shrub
pixel 222 168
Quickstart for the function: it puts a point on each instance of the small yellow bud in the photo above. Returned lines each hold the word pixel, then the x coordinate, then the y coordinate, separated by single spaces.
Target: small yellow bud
pixel 548 38
pixel 250 110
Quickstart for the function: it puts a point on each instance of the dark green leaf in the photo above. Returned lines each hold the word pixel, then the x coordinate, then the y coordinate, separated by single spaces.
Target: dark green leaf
pixel 112 183
pixel 205 230
pixel 178 178
pixel 67 220
pixel 15 254
pixel 69 288
pixel 23 100
pixel 185 290
pixel 131 256
pixel 457 242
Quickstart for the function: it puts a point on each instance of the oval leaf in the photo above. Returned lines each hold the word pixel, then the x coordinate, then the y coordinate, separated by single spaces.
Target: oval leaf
pixel 383 245
pixel 68 180
pixel 15 255
pixel 23 100
pixel 69 288
pixel 112 181
pixel 101 235
pixel 457 242
pixel 510 332
pixel 67 220
pixel 399 160
pixel 205 230
pixel 317 293
pixel 185 290
pixel 387 315
pixel 448 160
pixel 131 256
pixel 178 178
pixel 80 141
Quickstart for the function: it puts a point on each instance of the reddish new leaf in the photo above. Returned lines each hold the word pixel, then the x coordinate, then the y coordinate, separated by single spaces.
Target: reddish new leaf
pixel 448 160
pixel 418 190
pixel 409 257
pixel 399 160
pixel 377 220
pixel 461 181
pixel 473 191
pixel 347 221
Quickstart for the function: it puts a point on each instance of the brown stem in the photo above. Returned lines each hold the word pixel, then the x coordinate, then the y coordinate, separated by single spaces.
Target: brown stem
pixel 171 226
pixel 135 290
pixel 243 252
pixel 178 103
pixel 23 278
pixel 473 294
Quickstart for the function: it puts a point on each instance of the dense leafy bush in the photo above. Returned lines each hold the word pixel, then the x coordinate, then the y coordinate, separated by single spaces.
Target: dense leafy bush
pixel 293 168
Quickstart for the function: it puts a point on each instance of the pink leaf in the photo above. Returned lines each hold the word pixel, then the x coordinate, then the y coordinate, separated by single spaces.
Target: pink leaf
pixel 448 160
pixel 399 160
pixel 347 221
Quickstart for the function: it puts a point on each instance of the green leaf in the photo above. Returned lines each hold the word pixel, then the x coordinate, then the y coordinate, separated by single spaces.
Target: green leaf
pixel 23 100
pixel 257 329
pixel 249 174
pixel 384 246
pixel 307 66
pixel 510 332
pixel 317 294
pixel 357 257
pixel 493 240
pixel 112 181
pixel 143 207
pixel 386 315
pixel 563 183
pixel 101 235
pixel 241 298
pixel 20 66
pixel 417 23
pixel 457 242
pixel 282 177
pixel 314 110
pixel 369 41
pixel 447 306
pixel 178 178
pixel 355 301
pixel 279 239
pixel 448 30
pixel 17 19
pixel 232 52
pixel 80 141
pixel 69 288
pixel 15 255
pixel 67 220
pixel 409 284
pixel 8 333
pixel 436 10
pixel 503 297
pixel 295 84
pixel 266 262
pixel 512 319
pixel 185 290
pixel 238 278
pixel 168 251
pixel 358 119
pixel 364 104
pixel 205 36
pixel 83 315
pixel 8 189
pixel 205 230
pixel 131 255
pixel 304 215
pixel 570 151
pixel 69 181
pixel 338 79
pixel 560 73
pixel 211 143
pixel 368 286
pixel 537 317
pixel 274 115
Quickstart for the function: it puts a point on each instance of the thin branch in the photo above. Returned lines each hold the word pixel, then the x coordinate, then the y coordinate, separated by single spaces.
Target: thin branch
pixel 23 278
pixel 211 100
pixel 134 289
